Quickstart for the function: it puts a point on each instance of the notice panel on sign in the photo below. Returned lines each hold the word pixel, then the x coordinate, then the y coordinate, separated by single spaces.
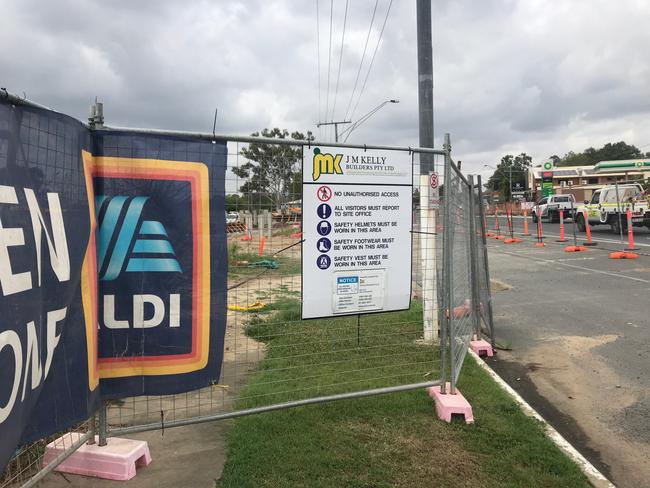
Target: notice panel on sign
pixel 356 253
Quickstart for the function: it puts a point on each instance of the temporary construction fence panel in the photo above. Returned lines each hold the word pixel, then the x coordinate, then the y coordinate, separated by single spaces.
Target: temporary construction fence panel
pixel 271 358
pixel 482 281
pixel 463 274
pixel 292 361
pixel 457 257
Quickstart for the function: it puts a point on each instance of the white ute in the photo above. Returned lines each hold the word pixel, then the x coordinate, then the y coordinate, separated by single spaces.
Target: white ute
pixel 604 207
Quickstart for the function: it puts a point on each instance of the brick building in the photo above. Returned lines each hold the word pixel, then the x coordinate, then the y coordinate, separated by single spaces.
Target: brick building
pixel 581 181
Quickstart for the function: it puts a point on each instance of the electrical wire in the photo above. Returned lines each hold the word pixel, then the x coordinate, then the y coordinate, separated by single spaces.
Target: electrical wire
pixel 329 62
pixel 372 60
pixel 356 81
pixel 338 76
pixel 320 108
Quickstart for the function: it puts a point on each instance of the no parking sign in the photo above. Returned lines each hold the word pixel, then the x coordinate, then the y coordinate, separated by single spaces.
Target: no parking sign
pixel 434 190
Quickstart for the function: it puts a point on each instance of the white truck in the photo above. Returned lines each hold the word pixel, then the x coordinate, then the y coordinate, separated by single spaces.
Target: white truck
pixel 549 207
pixel 604 207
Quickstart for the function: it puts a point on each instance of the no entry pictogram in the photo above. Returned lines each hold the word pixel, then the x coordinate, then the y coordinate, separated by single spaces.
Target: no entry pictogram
pixel 324 193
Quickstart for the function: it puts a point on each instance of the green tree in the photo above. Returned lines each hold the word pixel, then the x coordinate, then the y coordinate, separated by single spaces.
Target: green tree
pixel 517 166
pixel 610 151
pixel 270 171
pixel 235 202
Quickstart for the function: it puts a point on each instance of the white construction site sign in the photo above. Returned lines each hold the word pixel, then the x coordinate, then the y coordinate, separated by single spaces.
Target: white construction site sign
pixel 356 211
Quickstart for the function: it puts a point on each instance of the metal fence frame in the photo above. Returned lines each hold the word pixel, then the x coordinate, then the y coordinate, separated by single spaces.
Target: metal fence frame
pixel 445 274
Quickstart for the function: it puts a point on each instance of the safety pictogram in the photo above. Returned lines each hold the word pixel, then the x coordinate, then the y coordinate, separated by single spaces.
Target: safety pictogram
pixel 324 193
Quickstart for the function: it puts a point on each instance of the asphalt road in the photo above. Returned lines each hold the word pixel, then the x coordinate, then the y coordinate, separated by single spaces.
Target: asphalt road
pixel 578 328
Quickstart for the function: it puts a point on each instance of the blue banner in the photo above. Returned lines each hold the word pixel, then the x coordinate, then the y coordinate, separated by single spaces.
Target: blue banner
pixel 113 266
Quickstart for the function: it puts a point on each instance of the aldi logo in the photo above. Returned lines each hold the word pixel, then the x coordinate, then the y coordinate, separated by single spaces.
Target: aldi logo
pixel 135 245
pixel 153 263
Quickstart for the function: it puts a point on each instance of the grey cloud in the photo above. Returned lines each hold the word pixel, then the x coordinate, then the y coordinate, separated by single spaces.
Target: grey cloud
pixel 508 75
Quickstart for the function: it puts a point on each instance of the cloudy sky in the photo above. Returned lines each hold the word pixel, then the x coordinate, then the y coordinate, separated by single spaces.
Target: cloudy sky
pixel 531 75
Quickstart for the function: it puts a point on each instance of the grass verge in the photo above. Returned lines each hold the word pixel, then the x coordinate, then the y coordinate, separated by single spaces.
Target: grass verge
pixel 241 263
pixel 391 440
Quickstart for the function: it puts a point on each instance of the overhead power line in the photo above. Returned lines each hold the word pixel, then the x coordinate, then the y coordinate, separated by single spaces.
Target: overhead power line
pixel 372 60
pixel 320 108
pixel 329 62
pixel 338 76
pixel 365 47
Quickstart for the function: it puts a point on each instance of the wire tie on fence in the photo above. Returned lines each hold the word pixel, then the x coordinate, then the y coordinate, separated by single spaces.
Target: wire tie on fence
pixel 422 232
pixel 365 148
pixel 162 423
pixel 288 247
pixel 410 151
pixel 214 125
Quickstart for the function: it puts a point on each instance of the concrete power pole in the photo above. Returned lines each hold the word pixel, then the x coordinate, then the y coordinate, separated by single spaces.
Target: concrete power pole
pixel 336 127
pixel 427 214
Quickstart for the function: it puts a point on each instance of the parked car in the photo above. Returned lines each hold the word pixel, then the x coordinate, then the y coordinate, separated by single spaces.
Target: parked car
pixel 549 207
pixel 232 217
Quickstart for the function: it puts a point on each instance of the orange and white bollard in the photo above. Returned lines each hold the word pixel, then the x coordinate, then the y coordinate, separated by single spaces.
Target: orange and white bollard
pixel 497 227
pixel 561 239
pixel 526 232
pixel 627 252
pixel 488 232
pixel 261 246
pixel 589 242
pixel 248 236
pixel 512 239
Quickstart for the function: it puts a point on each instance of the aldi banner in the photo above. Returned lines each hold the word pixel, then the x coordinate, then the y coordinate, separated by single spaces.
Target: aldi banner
pixel 112 268
pixel 161 262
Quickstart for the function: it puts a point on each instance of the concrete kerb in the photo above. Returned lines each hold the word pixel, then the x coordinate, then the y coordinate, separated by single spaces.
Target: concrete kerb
pixel 595 477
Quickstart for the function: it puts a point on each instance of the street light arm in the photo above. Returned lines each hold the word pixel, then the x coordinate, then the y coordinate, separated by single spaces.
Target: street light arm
pixel 365 117
pixel 362 120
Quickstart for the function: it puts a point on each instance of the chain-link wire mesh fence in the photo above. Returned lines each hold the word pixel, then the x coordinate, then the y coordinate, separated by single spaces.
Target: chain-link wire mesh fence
pixel 457 255
pixel 463 269
pixel 290 359
pixel 482 282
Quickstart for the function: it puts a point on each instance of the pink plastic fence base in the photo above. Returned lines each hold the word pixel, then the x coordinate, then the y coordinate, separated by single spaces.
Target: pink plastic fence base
pixel 448 404
pixel 482 348
pixel 115 461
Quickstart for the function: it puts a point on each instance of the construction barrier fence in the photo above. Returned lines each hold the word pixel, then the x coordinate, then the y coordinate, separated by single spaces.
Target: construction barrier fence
pixel 274 360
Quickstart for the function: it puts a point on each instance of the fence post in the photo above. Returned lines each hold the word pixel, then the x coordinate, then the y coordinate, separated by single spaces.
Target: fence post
pixel 471 228
pixel 269 224
pixel 446 262
pixel 91 429
pixel 487 268
pixel 103 425
pixel 428 258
